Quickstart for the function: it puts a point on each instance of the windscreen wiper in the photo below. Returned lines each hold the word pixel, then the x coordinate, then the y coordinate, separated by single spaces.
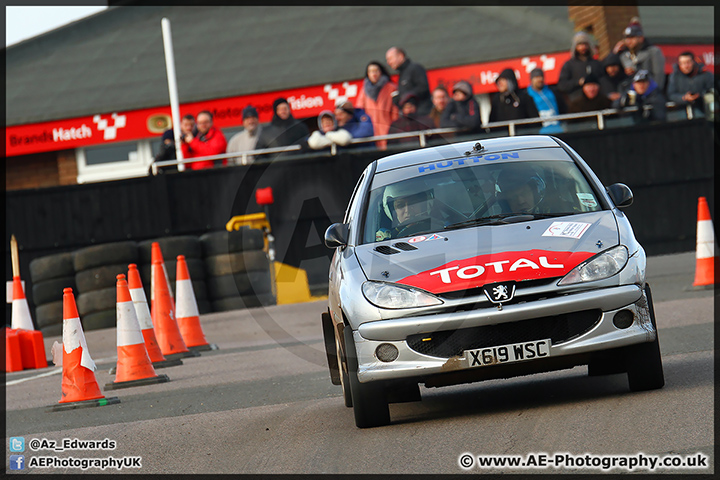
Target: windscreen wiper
pixel 504 218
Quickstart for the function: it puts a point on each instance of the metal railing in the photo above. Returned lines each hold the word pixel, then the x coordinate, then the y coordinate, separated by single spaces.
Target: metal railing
pixel 423 135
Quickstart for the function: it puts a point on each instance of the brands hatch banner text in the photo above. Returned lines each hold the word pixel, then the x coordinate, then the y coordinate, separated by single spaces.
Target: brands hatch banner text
pixel 305 102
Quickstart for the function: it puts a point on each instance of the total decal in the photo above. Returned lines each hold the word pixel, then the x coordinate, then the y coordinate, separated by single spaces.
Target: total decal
pixel 477 271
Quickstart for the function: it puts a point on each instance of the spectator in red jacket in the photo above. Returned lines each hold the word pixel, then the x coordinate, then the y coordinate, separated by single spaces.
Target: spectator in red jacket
pixel 375 98
pixel 209 141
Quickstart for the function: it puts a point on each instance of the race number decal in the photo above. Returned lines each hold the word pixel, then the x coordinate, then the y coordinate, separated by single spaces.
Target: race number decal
pixel 566 229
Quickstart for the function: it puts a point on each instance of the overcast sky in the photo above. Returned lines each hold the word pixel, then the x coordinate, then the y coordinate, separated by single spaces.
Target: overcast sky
pixel 22 23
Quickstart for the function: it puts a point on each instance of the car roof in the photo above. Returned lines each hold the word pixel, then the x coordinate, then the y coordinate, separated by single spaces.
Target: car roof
pixel 445 152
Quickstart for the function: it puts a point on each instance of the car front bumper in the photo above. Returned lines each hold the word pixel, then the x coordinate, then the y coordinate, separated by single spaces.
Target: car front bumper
pixel 604 335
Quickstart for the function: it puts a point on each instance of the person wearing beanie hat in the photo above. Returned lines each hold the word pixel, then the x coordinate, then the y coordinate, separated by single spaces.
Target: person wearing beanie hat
pixel 647 96
pixel 615 81
pixel 354 120
pixel 636 53
pixel 548 104
pixel 509 103
pixel 376 98
pixel 580 64
pixel 590 98
pixel 463 111
pixel 409 120
pixel 248 138
pixel 284 129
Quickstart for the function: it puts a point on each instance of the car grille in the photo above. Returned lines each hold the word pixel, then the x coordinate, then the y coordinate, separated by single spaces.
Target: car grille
pixel 473 292
pixel 559 328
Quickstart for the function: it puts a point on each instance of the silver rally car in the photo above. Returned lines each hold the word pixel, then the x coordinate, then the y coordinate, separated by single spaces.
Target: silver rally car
pixel 482 260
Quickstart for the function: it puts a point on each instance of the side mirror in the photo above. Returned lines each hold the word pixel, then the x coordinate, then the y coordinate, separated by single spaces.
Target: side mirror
pixel 620 195
pixel 336 235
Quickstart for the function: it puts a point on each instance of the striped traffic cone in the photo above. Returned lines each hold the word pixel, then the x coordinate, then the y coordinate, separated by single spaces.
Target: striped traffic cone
pixel 157 256
pixel 32 345
pixel 133 366
pixel 79 386
pixel 186 310
pixel 142 311
pixel 706 247
pixel 20 309
pixel 163 315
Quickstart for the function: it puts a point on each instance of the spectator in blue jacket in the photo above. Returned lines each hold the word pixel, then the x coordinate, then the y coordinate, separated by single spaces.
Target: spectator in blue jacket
pixel 463 112
pixel 645 92
pixel 548 104
pixel 354 120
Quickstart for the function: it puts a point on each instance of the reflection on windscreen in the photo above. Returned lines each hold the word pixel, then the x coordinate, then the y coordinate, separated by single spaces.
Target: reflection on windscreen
pixel 471 195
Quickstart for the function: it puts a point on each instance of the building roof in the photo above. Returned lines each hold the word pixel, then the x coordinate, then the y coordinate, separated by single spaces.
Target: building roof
pixel 114 60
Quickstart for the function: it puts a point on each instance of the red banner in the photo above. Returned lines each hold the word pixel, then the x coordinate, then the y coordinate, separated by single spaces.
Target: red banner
pixel 305 102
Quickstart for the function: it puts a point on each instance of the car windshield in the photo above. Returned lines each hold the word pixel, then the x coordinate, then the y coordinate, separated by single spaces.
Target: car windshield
pixel 484 194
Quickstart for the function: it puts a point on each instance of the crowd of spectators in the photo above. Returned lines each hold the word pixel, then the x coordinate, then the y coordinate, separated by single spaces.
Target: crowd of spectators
pixel 633 74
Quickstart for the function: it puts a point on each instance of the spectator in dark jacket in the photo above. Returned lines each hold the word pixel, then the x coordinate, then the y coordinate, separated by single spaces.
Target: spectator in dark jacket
pixel 354 120
pixel 208 141
pixel 580 64
pixel 509 103
pixel 409 120
pixel 639 54
pixel 689 81
pixel 614 81
pixel 590 98
pixel 463 112
pixel 644 92
pixel 167 147
pixel 284 129
pixel 412 79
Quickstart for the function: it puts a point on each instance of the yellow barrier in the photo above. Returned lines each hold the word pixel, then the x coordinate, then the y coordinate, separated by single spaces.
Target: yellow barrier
pixel 290 284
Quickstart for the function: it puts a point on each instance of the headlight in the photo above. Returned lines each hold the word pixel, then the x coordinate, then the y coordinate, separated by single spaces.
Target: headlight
pixel 603 265
pixel 387 295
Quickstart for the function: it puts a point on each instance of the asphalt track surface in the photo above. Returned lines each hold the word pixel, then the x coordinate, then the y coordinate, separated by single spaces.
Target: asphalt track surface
pixel 263 403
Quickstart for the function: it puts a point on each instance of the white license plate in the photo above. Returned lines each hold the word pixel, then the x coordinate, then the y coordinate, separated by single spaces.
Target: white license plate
pixel 516 352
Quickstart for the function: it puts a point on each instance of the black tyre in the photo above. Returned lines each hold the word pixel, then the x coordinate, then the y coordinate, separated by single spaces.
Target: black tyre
pixel 196 269
pixel 52 266
pixel 52 330
pixel 245 239
pixel 204 306
pixel 49 314
pixel 99 320
pixel 96 301
pixel 51 290
pixel 99 278
pixel 330 351
pixel 370 404
pixel 242 302
pixel 171 247
pixel 106 254
pixel 643 361
pixel 238 262
pixel 246 283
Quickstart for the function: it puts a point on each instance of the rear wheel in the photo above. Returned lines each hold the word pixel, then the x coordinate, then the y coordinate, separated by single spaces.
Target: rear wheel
pixel 369 401
pixel 643 361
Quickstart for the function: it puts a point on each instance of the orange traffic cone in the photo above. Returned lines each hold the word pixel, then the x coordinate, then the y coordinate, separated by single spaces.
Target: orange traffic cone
pixel 706 247
pixel 79 386
pixel 133 366
pixel 142 311
pixel 32 345
pixel 163 316
pixel 13 359
pixel 186 310
pixel 156 256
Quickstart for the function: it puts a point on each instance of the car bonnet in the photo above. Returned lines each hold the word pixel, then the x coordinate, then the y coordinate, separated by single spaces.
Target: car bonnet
pixel 472 257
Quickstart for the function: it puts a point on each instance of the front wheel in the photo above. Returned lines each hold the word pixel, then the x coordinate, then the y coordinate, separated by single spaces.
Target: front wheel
pixel 370 404
pixel 643 361
pixel 343 372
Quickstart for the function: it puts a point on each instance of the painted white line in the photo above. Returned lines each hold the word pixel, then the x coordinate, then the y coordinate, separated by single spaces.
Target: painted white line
pixel 51 372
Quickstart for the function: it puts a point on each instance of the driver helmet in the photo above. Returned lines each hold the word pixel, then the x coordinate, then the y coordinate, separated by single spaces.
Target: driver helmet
pixel 414 191
pixel 515 176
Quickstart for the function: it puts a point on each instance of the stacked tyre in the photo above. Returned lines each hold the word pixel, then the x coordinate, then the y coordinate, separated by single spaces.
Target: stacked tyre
pixel 96 271
pixel 50 275
pixel 238 269
pixel 186 245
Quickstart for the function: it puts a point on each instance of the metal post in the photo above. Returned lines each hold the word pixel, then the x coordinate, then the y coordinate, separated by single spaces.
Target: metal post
pixel 689 111
pixel 333 149
pixel 601 121
pixel 244 158
pixel 511 129
pixel 422 139
pixel 172 87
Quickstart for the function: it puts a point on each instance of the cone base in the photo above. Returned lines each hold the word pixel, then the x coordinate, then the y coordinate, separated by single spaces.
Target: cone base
pixel 167 363
pixel 694 287
pixel 188 354
pixel 137 383
pixel 98 402
pixel 203 348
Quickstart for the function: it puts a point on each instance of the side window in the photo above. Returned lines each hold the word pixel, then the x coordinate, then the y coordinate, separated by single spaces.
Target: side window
pixel 350 207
